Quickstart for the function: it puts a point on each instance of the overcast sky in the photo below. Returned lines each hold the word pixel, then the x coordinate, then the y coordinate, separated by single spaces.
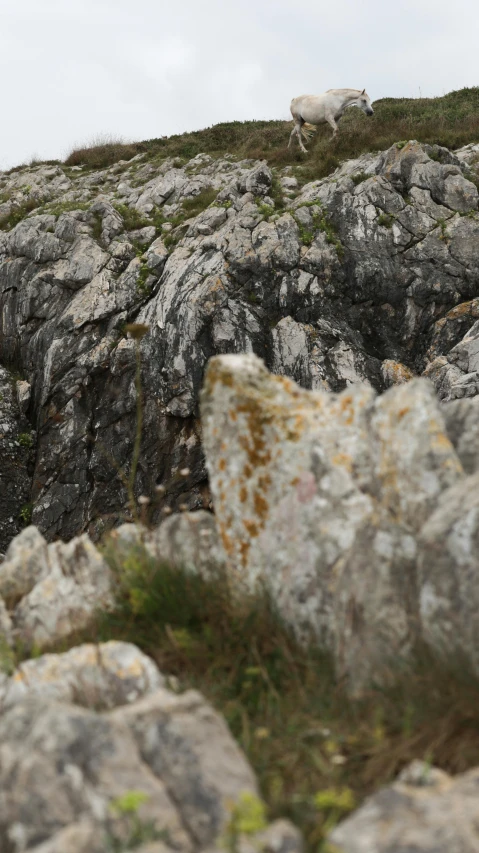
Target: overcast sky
pixel 72 70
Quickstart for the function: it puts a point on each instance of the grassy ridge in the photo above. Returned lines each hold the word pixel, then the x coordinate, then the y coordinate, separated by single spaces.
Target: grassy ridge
pixel 451 120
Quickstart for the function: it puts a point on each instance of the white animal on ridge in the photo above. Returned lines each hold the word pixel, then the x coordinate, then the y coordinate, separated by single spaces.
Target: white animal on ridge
pixel 329 107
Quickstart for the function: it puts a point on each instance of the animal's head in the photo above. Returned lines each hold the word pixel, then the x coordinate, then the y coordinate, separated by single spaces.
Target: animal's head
pixel 364 103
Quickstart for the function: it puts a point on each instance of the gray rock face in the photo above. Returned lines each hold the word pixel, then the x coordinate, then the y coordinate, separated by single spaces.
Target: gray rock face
pixel 16 444
pixel 189 540
pixel 95 676
pixel 369 275
pixel 65 771
pixel 425 811
pixel 353 509
pixel 52 591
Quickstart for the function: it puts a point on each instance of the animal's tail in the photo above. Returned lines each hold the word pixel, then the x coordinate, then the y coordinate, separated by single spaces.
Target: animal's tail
pixel 308 130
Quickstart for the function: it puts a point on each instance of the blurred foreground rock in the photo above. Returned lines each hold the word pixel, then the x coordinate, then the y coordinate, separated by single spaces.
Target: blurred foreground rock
pixel 425 811
pixel 52 591
pixel 353 509
pixel 161 765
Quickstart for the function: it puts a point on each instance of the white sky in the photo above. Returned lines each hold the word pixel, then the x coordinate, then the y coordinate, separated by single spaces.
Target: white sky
pixel 75 69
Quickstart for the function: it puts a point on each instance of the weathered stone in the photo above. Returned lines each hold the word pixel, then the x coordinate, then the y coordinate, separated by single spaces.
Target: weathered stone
pixel 189 747
pixel 321 497
pixel 95 676
pixel 448 567
pixel 65 772
pixel 61 766
pixel 296 286
pixel 462 424
pixel 425 811
pixel 53 590
pixel 189 540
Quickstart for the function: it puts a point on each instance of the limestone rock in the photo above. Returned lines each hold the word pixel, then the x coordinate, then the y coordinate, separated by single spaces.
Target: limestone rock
pixel 188 746
pixel 189 540
pixel 65 770
pixel 447 571
pixel 348 282
pixel 462 424
pixel 321 497
pixel 53 590
pixel 96 676
pixel 425 810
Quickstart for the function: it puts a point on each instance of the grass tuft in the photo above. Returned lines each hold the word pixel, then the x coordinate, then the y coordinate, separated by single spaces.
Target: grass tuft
pixel 101 153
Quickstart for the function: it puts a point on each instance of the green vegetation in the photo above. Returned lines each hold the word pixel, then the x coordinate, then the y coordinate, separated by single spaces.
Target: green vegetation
pixel 25 514
pixel 248 816
pixel 18 212
pixel 451 120
pixel 194 206
pixel 25 439
pixel 57 208
pixel 128 831
pixel 102 153
pixel 442 226
pixel 141 283
pixel 386 220
pixel 132 219
pixel 359 178
pixel 316 752
pixel 321 222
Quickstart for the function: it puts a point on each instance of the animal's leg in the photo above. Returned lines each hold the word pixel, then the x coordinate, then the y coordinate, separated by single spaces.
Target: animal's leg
pixel 293 133
pixel 299 125
pixel 296 131
pixel 332 123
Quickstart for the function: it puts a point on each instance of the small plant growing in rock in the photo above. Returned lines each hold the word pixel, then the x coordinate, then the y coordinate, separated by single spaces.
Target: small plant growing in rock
pixel 127 830
pixel 442 226
pixel 25 514
pixel 194 206
pixel 248 816
pixel 25 439
pixel 334 804
pixel 142 286
pixel 131 218
pixel 17 214
pixel 386 220
pixel 359 178
pixel 266 210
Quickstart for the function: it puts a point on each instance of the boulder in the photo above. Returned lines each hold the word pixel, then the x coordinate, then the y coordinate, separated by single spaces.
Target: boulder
pixel 163 770
pixel 425 811
pixel 99 676
pixel 53 591
pixel 321 498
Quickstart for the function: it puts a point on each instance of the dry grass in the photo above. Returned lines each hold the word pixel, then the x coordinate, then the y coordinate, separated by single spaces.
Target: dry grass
pixel 300 731
pixel 452 121
pixel 102 152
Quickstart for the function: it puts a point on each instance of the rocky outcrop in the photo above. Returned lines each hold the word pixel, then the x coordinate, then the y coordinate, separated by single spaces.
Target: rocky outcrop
pixel 425 811
pixel 161 769
pixel 353 509
pixel 101 676
pixel 51 591
pixel 369 275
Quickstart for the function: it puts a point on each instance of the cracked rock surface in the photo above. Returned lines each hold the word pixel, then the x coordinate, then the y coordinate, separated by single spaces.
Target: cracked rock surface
pixel 81 731
pixel 353 509
pixel 369 275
